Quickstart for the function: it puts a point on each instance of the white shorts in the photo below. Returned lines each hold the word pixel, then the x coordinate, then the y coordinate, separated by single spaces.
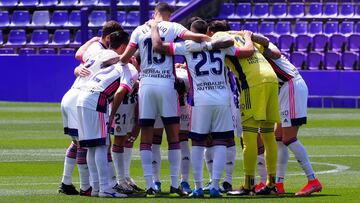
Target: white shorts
pixel 124 119
pixel 293 96
pixel 158 123
pixel 92 128
pixel 184 119
pixel 69 112
pixel 155 101
pixel 236 118
pixel 216 120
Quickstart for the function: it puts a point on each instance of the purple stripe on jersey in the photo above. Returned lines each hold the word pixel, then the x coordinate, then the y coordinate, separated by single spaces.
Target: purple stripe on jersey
pixel 71 151
pixel 145 146
pixel 93 142
pixel 81 156
pixel 117 149
pixel 174 145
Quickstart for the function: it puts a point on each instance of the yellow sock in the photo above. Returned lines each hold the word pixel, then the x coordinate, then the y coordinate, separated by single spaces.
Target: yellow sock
pixel 249 182
pixel 268 137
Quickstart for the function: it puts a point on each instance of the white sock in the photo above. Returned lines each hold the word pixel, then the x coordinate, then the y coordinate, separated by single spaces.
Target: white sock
pixel 127 161
pixel 111 173
pixel 90 159
pixel 156 161
pixel 209 160
pixel 230 163
pixel 197 156
pixel 146 159
pixel 262 168
pixel 84 176
pixel 282 161
pixel 185 161
pixel 301 156
pixel 102 167
pixel 69 165
pixel 218 165
pixel 118 159
pixel 174 156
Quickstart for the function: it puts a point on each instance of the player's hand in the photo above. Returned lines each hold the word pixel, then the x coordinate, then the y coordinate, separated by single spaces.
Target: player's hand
pixel 111 120
pixel 193 46
pixel 152 23
pixel 180 65
pixel 247 34
pixel 83 71
pixel 135 62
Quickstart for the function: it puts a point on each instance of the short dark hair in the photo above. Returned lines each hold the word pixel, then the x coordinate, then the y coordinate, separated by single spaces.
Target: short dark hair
pixel 118 38
pixel 191 20
pixel 163 7
pixel 218 26
pixel 110 27
pixel 200 26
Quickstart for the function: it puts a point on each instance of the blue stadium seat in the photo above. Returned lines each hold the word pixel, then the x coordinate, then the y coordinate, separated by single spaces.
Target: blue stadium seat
pixel 40 18
pixel 28 2
pixel 332 60
pixel 354 42
pixel 152 2
pixel 243 10
pixel 183 2
pixel 20 18
pixel 331 27
pixel 315 9
pixel 4 19
pixel 357 30
pixel 48 2
pixel 77 39
pixel 128 2
pixel 1 38
pixel 87 2
pixel 302 42
pixel 121 17
pixel 39 38
pixel 320 42
pixel 170 2
pixel 252 26
pixel 97 18
pixel 60 38
pixel 47 51
pixel 74 18
pixel 68 2
pixel 260 10
pixel 17 38
pixel 234 25
pixel 349 60
pixel 103 3
pixel 347 27
pixel 273 38
pixel 7 51
pixel 279 10
pixel 337 42
pixel 9 3
pixel 298 59
pixel 286 42
pixel 67 51
pixel 133 18
pixel 330 9
pixel 296 10
pixel 59 18
pixel 315 27
pixel 301 27
pixel 315 60
pixel 283 27
pixel 151 13
pixel 227 10
pixel 27 51
pixel 347 10
pixel 266 27
pixel 357 10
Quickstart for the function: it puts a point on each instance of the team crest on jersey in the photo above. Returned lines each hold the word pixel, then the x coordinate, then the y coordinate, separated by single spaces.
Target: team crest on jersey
pixel 118 129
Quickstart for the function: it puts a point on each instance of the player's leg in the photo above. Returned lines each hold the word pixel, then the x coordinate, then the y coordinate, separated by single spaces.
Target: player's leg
pixel 185 161
pixel 84 175
pixel 229 167
pixel 261 165
pixel 156 153
pixel 282 160
pixel 209 160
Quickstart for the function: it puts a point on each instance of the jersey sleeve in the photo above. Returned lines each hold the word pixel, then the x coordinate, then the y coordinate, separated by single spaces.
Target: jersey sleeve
pixel 128 78
pixel 178 48
pixel 179 30
pixel 134 38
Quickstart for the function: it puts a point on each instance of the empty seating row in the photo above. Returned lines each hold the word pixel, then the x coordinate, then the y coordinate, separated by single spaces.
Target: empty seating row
pixel 46 3
pixel 59 18
pixel 43 51
pixel 319 42
pixel 327 61
pixel 300 27
pixel 291 10
pixel 42 38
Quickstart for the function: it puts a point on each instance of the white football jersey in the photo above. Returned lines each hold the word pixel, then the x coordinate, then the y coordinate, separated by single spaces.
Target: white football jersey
pixel 90 60
pixel 98 92
pixel 283 68
pixel 156 69
pixel 208 75
pixel 182 75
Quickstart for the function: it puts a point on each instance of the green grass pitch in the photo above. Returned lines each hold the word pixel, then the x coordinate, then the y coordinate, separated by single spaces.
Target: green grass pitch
pixel 32 148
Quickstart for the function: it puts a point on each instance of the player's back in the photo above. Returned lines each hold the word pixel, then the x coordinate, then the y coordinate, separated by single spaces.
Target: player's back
pixel 156 69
